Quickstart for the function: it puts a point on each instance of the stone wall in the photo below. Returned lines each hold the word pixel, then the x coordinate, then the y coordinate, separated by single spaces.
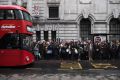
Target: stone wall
pixel 98 11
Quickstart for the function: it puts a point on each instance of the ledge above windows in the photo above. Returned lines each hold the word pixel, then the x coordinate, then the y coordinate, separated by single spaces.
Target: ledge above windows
pixel 53 1
pixel 114 2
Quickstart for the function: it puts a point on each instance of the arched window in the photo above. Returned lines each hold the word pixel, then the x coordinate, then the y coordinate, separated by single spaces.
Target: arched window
pixel 85 29
pixel 114 29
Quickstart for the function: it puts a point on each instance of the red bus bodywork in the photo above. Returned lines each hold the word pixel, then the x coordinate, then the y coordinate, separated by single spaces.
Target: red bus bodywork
pixel 20 25
pixel 15 57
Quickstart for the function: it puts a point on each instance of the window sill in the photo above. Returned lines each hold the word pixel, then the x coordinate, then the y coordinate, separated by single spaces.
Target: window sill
pixel 53 18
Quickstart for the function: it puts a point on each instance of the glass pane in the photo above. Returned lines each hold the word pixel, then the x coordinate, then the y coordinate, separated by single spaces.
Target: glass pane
pixel 53 12
pixel 9 41
pixel 27 16
pixel 2 14
pixel 38 35
pixel 18 14
pixel 114 26
pixel 53 35
pixel 27 42
pixel 46 35
pixel 85 29
pixel 9 14
pixel 15 41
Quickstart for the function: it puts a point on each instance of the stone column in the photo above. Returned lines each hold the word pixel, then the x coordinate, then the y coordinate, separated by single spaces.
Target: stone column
pixel 49 35
pixel 42 35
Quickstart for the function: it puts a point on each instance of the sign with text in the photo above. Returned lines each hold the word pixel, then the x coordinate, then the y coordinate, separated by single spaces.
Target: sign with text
pixel 36 7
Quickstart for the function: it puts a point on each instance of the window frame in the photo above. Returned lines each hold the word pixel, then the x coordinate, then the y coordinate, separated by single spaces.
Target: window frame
pixel 24 18
pixel 56 17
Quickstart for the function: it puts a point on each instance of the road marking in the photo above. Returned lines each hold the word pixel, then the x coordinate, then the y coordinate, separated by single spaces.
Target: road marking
pixel 70 65
pixel 34 68
pixel 80 65
pixel 96 69
pixel 103 65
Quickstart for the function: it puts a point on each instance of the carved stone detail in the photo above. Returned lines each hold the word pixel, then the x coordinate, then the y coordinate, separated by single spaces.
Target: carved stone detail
pixel 115 13
pixel 85 13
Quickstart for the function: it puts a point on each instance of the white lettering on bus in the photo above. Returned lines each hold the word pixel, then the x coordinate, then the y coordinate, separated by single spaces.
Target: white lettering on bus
pixel 8 27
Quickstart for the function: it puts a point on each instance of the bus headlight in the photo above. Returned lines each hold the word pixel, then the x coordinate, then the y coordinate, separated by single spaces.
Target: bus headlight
pixel 29 29
pixel 27 58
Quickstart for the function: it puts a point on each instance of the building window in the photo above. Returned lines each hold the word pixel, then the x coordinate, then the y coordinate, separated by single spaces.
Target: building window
pixel 53 34
pixel 54 12
pixel 85 29
pixel 46 35
pixel 38 35
pixel 114 26
pixel 114 29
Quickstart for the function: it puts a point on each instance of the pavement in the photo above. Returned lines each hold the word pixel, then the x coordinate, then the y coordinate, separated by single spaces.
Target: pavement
pixel 77 65
pixel 59 77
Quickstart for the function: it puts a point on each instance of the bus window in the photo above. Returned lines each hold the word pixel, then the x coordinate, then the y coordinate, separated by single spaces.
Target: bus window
pixel 9 41
pixel 1 14
pixel 18 14
pixel 27 16
pixel 10 14
pixel 27 42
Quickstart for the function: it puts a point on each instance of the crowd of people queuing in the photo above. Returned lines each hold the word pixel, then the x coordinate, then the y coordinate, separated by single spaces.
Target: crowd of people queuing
pixel 77 50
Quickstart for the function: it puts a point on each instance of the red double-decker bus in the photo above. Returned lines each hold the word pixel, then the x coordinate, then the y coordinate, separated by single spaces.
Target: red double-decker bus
pixel 15 36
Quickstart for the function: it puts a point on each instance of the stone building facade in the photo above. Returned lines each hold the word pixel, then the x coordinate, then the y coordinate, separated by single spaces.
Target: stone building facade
pixel 14 2
pixel 75 19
